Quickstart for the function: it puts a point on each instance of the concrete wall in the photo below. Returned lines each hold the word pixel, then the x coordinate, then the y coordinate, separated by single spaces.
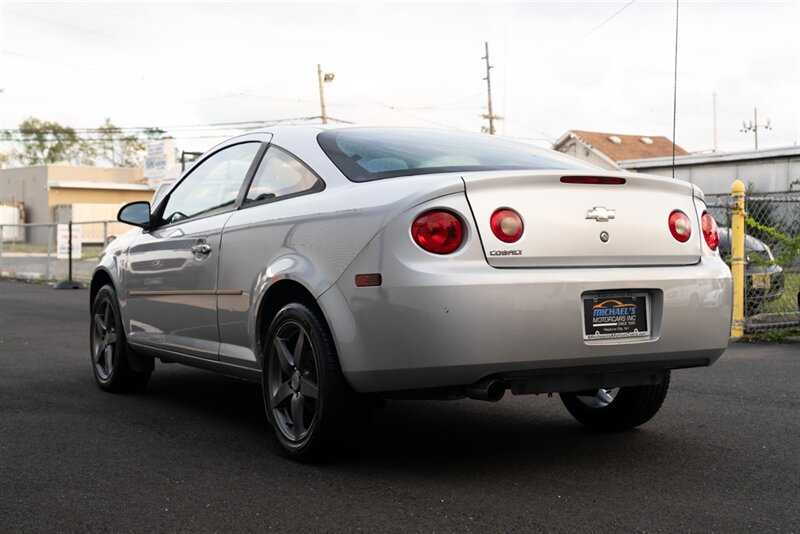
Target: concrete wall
pixel 29 186
pixel 41 188
pixel 123 175
pixel 66 195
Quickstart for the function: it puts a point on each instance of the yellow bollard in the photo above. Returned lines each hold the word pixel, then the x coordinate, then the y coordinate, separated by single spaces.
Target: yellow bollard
pixel 738 256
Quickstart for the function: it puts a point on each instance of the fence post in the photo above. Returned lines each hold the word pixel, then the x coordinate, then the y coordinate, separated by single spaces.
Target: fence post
pixel 69 283
pixel 49 250
pixel 105 233
pixel 738 261
pixel 1 249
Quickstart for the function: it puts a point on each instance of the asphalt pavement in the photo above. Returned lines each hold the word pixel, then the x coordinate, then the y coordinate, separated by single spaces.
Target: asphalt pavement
pixel 192 452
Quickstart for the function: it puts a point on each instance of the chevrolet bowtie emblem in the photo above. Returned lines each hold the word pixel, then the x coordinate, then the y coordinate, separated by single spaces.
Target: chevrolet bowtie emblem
pixel 600 214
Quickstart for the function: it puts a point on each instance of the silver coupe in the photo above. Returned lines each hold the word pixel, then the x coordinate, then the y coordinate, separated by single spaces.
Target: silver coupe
pixel 340 267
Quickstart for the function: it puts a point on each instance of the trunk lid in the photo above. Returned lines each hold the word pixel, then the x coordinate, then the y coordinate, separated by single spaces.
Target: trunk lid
pixel 563 222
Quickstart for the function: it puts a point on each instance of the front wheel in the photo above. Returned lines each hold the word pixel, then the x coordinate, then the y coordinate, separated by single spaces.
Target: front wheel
pixel 617 409
pixel 109 350
pixel 312 409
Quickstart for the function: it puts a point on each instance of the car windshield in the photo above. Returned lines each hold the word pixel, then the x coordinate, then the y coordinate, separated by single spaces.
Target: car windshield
pixel 365 154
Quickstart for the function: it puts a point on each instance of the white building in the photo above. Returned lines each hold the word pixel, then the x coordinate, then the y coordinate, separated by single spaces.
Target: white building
pixel 774 169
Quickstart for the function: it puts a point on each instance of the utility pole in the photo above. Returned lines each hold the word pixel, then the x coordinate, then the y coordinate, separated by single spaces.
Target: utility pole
pixel 753 126
pixel 491 116
pixel 323 79
pixel 714 95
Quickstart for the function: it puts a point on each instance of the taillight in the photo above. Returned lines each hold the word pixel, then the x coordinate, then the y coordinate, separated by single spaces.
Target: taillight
pixel 680 226
pixel 710 231
pixel 438 231
pixel 506 225
pixel 592 180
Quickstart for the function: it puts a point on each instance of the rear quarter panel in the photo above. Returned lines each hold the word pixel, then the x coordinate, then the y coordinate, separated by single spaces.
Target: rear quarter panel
pixel 309 239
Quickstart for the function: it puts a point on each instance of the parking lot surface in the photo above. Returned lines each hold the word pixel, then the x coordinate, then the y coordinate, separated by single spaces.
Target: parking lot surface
pixel 192 452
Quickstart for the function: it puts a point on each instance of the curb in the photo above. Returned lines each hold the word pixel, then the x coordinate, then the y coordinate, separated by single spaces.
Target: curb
pixel 34 277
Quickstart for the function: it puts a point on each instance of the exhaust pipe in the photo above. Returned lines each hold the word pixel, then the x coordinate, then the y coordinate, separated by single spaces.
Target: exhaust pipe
pixel 490 389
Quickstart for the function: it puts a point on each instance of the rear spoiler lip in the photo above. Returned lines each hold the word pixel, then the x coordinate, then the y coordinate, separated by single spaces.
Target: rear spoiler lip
pixel 480 177
pixel 698 193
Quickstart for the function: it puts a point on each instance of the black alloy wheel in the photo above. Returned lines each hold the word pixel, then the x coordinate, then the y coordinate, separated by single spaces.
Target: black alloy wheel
pixel 312 409
pixel 293 381
pixel 104 339
pixel 109 350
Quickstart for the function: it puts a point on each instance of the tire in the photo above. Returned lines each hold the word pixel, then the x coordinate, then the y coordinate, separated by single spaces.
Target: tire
pixel 629 408
pixel 109 349
pixel 312 409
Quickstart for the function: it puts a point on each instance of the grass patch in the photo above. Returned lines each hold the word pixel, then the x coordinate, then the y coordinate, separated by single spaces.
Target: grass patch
pixel 783 335
pixel 788 301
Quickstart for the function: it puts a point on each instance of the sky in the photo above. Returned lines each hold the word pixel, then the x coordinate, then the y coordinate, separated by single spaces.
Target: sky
pixel 599 66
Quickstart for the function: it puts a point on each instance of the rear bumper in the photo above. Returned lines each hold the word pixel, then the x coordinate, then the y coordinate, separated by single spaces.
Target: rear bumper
pixel 441 323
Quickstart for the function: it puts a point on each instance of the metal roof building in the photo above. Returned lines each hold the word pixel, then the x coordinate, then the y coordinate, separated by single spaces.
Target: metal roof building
pixel 773 169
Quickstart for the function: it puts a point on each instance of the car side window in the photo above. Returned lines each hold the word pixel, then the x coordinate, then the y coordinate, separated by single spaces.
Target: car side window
pixel 280 175
pixel 212 186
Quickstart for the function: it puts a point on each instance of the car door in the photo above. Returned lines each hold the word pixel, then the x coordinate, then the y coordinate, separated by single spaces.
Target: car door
pixel 269 216
pixel 171 274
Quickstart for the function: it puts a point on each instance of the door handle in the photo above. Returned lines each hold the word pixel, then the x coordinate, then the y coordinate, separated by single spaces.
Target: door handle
pixel 202 248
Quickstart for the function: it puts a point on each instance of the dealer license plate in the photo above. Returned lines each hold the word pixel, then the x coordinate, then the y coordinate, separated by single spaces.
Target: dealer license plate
pixel 761 281
pixel 615 316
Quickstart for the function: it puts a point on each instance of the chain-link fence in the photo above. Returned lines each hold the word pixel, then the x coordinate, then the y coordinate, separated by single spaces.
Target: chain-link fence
pixel 772 255
pixel 39 251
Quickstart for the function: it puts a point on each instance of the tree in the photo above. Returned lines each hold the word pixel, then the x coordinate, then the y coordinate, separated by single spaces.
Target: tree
pixel 117 148
pixel 44 142
pixel 38 142
pixel 153 134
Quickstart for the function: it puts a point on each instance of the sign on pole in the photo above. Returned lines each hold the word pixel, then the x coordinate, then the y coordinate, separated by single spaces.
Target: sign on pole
pixel 160 157
pixel 62 242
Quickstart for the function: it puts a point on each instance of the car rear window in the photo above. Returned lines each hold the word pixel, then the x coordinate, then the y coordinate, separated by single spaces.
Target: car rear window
pixel 365 154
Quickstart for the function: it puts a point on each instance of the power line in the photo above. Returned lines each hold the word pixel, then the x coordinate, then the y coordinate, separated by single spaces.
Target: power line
pixel 56 23
pixel 159 81
pixel 583 36
pixel 177 22
pixel 94 135
pixel 225 125
pixel 560 52
pixel 397 109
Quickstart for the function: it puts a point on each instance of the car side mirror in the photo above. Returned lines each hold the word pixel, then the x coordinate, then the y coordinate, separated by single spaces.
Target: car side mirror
pixel 136 214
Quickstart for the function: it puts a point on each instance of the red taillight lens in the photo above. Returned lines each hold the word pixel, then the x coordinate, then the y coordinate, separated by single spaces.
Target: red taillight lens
pixel 507 225
pixel 710 231
pixel 438 231
pixel 680 226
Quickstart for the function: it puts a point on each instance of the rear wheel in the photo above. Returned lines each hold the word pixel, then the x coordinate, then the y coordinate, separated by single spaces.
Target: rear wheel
pixel 312 409
pixel 617 409
pixel 109 350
